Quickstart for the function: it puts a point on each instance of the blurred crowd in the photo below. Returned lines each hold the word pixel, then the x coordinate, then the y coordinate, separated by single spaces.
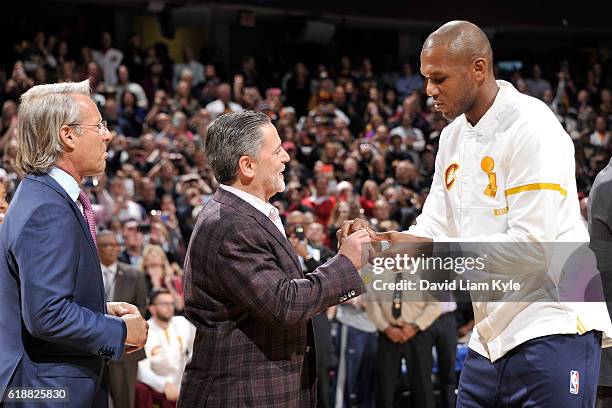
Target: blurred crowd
pixel 362 143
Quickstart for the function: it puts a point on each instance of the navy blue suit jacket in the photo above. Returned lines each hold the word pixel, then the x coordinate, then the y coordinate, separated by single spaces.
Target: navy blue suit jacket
pixel 53 328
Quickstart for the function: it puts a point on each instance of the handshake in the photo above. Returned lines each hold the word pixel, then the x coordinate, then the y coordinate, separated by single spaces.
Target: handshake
pixel 358 241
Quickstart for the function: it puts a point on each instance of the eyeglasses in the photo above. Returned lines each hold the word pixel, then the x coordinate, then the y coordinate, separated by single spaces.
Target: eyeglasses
pixel 102 126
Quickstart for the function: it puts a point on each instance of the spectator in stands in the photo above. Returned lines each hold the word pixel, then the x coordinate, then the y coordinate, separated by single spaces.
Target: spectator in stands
pixel 408 81
pixel 133 241
pixel 168 349
pixel 131 116
pixel 108 58
pixel 155 81
pixel 189 63
pixel 159 273
pixel 183 100
pixel 403 334
pixel 356 343
pixel 222 104
pixel 321 201
pixel 536 85
pixel 601 136
pixel 311 257
pixel 122 283
pixel 124 84
pixel 339 214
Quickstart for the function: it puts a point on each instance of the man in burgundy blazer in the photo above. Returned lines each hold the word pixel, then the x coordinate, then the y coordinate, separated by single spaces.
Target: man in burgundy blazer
pixel 245 290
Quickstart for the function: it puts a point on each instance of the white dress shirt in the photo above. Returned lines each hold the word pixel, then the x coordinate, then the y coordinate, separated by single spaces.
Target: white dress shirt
pixel 168 351
pixel 109 275
pixel 266 209
pixel 68 183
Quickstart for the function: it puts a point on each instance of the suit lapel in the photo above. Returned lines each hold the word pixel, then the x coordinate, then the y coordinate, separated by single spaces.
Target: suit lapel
pixel 236 202
pixel 118 292
pixel 269 226
pixel 49 181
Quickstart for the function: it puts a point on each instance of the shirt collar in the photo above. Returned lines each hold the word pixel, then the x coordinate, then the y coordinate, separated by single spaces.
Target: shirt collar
pixel 66 181
pixel 266 208
pixel 112 268
pixel 490 116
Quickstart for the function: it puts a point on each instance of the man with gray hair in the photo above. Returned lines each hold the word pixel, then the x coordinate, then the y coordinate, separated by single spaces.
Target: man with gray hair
pixel 244 287
pixel 56 329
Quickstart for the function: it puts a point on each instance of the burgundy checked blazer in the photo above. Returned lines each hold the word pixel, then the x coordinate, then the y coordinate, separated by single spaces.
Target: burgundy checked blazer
pixel 246 294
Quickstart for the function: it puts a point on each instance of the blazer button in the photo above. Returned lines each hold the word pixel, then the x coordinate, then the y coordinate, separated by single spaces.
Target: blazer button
pixel 308 348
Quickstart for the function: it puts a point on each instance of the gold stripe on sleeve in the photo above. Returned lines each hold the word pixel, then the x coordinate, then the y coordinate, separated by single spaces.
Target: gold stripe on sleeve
pixel 537 186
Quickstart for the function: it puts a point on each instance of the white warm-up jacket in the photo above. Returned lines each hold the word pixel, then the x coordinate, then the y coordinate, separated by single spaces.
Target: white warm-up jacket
pixel 511 179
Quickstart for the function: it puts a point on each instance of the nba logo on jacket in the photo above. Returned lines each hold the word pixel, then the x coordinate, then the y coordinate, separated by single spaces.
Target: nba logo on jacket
pixel 574 382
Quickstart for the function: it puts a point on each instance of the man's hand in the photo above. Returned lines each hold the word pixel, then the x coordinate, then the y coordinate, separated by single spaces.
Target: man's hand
pixel 395 334
pixel 349 227
pixel 395 237
pixel 410 330
pixel 119 309
pixel 137 330
pixel 171 392
pixel 404 243
pixel 131 349
pixel 354 249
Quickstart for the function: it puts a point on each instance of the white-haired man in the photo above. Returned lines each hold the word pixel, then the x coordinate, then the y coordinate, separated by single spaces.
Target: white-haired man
pixel 56 329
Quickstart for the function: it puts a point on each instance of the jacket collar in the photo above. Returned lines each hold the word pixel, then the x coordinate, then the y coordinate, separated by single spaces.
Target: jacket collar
pixel 47 180
pixel 232 200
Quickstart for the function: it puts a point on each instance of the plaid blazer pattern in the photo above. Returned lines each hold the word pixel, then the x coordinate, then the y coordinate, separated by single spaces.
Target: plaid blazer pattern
pixel 246 294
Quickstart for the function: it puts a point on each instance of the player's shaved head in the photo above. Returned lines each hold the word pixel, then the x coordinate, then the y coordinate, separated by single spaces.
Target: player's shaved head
pixel 463 39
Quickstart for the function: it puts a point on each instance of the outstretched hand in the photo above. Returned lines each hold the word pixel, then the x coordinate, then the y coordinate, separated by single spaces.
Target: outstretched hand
pixel 119 309
pixel 396 237
pixel 351 226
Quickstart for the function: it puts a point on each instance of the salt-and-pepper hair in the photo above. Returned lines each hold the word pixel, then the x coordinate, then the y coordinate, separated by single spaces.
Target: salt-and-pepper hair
pixel 230 137
pixel 42 111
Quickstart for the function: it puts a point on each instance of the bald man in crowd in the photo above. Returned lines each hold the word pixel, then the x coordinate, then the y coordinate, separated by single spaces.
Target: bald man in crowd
pixel 504 173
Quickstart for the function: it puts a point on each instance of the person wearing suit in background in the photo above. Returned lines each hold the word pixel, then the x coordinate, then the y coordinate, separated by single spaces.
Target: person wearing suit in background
pixel 56 329
pixel 246 292
pixel 311 257
pixel 122 283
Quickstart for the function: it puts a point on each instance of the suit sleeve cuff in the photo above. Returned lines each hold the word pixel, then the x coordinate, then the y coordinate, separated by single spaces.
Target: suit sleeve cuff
pixel 118 331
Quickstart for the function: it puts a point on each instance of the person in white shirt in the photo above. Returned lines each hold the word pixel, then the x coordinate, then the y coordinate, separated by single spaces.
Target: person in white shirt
pixel 601 136
pixel 169 348
pixel 411 135
pixel 505 174
pixel 190 63
pixel 124 84
pixel 222 104
pixel 109 59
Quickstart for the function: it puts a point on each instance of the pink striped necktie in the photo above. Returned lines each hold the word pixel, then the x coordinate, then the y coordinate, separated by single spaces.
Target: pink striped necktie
pixel 89 215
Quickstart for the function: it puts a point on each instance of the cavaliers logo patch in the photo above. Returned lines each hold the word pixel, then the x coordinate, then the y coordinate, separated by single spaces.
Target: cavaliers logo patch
pixel 449 175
